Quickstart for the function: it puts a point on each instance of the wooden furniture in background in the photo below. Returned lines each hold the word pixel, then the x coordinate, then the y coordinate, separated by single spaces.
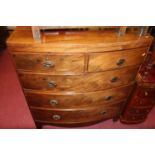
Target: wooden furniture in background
pixel 76 77
pixel 143 97
pixel 121 30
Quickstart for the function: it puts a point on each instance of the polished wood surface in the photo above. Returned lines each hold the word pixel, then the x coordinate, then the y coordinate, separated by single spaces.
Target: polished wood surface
pixel 137 111
pixel 49 63
pixel 71 116
pixel 76 100
pixel 86 42
pixel 143 102
pixel 139 106
pixel 78 83
pixel 146 92
pixel 116 59
pixel 73 76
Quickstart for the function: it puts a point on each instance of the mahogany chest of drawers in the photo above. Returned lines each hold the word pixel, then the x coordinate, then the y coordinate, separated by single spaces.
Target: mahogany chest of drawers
pixel 142 99
pixel 77 77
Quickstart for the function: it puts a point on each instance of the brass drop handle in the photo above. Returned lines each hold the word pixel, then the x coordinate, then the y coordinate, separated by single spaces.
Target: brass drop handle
pixel 108 98
pixel 53 102
pixel 103 112
pixel 114 79
pixel 56 117
pixel 48 64
pixel 52 84
pixel 120 62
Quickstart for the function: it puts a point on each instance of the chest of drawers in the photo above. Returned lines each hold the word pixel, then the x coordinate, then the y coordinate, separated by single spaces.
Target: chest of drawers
pixel 77 77
pixel 142 99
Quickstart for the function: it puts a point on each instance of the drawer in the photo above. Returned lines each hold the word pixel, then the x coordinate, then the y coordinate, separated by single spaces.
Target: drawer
pixel 78 83
pixel 128 118
pixel 138 111
pixel 116 59
pixel 81 115
pixel 146 92
pixel 64 100
pixel 49 62
pixel 142 102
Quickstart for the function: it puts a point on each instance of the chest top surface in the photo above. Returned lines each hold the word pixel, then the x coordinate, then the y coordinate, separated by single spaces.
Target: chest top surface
pixel 76 41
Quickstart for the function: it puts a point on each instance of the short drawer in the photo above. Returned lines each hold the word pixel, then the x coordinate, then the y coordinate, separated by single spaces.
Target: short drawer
pixel 49 62
pixel 64 100
pixel 116 59
pixel 76 115
pixel 78 83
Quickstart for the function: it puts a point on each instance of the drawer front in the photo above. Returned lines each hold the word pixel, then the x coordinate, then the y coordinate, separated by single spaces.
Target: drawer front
pixel 49 100
pixel 142 102
pixel 78 83
pixel 76 115
pixel 129 118
pixel 49 63
pixel 146 92
pixel 138 111
pixel 118 59
pixel 64 100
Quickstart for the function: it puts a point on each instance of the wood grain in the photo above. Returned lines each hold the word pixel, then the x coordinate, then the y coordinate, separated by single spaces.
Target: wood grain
pixel 110 60
pixel 77 100
pixel 73 77
pixel 78 83
pixel 71 116
pixel 87 41
pixel 48 62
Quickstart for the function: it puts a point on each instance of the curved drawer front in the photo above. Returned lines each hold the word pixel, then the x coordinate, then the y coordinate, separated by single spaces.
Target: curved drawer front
pixel 49 100
pixel 49 63
pixel 118 59
pixel 78 83
pixel 76 115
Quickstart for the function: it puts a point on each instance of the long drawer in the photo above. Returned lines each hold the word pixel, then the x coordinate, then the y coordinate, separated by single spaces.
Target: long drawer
pixel 78 83
pixel 115 59
pixel 74 100
pixel 81 115
pixel 48 62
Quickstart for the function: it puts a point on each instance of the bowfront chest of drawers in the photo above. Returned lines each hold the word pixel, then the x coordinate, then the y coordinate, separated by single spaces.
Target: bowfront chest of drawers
pixel 77 77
